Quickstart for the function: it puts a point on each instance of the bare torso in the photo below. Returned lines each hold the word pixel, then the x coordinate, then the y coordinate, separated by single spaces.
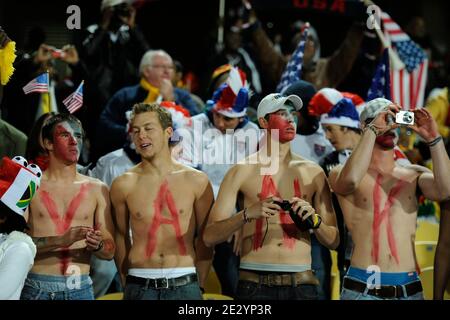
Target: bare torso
pixel 367 210
pixel 283 243
pixel 162 218
pixel 56 208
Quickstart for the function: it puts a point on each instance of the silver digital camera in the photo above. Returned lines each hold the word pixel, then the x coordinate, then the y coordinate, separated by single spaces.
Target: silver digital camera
pixel 404 117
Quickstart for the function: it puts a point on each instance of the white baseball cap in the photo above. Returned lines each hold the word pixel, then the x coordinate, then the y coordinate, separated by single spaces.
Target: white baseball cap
pixel 275 101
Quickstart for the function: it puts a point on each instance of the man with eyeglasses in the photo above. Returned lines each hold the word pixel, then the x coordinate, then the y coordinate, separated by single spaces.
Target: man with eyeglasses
pixel 156 70
pixel 283 197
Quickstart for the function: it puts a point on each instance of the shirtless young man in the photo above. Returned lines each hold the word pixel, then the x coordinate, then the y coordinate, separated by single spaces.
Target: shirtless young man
pixel 276 254
pixel 69 219
pixel 166 204
pixel 378 200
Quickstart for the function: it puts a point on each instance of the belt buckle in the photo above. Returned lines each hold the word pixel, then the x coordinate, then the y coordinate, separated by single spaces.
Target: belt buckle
pixel 377 291
pixel 165 282
pixel 270 280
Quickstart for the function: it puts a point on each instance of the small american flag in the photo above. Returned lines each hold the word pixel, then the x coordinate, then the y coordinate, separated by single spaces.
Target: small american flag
pixel 381 82
pixel 75 100
pixel 293 69
pixel 408 80
pixel 38 84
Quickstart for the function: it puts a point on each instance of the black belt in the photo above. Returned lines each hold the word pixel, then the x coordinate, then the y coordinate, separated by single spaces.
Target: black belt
pixel 163 283
pixel 397 291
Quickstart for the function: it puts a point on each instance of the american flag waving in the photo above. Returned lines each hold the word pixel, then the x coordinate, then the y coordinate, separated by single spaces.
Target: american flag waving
pixel 75 100
pixel 293 69
pixel 409 75
pixel 38 84
pixel 381 82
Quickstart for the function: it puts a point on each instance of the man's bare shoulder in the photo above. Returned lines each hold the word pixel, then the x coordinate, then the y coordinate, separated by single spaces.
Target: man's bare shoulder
pixel 305 165
pixel 192 175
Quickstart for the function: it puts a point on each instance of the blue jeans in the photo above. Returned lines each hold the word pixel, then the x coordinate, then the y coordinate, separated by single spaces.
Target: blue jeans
pixel 50 287
pixel 104 274
pixel 248 290
pixel 190 291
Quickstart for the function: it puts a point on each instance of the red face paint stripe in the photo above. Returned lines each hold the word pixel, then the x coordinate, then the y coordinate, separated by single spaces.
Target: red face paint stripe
pixel 384 215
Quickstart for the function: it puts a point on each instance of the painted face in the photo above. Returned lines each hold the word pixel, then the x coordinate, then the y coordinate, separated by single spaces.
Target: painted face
pixel 67 141
pixel 148 135
pixel 387 140
pixel 224 123
pixel 285 121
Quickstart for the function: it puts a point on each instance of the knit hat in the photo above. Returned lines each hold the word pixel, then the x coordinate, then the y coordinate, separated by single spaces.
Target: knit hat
pixel 19 182
pixel 231 98
pixel 181 118
pixel 334 108
pixel 374 107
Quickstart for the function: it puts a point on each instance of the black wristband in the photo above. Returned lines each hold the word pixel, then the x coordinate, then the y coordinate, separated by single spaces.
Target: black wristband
pixel 100 247
pixel 435 141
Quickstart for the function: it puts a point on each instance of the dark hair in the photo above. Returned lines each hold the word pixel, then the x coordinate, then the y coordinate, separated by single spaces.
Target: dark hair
pixel 356 130
pixel 14 222
pixel 49 127
pixel 34 147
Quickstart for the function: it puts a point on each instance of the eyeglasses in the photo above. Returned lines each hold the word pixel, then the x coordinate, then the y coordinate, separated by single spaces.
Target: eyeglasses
pixel 161 66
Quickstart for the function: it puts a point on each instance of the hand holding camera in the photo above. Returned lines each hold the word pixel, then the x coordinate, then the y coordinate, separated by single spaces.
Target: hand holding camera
pixel 301 212
pixel 424 125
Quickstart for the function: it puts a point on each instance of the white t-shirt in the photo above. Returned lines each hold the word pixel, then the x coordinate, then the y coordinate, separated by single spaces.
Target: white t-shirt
pixel 313 147
pixel 111 165
pixel 215 153
pixel 17 252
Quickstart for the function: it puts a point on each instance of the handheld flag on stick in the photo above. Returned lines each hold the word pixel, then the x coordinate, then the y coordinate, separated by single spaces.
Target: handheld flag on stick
pixel 75 100
pixel 38 84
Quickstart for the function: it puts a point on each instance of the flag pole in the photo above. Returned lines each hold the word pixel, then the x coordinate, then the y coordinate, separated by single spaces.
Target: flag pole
pixel 396 61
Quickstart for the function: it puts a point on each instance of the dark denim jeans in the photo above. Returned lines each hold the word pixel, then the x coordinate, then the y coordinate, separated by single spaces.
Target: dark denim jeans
pixel 49 287
pixel 248 290
pixel 321 265
pixel 226 265
pixel 190 291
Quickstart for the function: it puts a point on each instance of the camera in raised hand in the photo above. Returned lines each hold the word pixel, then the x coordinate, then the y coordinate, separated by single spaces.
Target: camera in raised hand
pixel 404 118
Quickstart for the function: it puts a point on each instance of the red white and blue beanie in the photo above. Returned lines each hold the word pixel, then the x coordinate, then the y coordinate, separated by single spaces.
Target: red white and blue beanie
pixel 231 98
pixel 19 182
pixel 334 108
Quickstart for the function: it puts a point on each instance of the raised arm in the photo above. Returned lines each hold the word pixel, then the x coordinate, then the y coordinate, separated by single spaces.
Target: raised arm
pixel 122 226
pixel 436 186
pixel 202 207
pixel 347 179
